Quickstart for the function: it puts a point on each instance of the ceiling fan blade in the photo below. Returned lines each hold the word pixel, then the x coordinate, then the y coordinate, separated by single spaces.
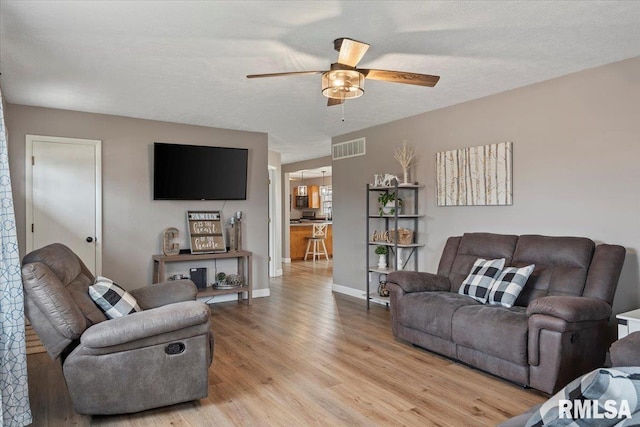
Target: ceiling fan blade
pixel 350 51
pixel 333 101
pixel 401 77
pixel 293 73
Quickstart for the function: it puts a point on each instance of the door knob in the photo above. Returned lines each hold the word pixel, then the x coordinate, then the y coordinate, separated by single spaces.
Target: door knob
pixel 89 239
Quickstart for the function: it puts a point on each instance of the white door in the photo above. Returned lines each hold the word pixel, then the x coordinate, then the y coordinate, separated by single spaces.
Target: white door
pixel 63 196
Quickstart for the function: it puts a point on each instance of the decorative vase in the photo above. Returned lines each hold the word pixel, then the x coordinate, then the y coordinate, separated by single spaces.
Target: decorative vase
pixel 382 261
pixel 389 208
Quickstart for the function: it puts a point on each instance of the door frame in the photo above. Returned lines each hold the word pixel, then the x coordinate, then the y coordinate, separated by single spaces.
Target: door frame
pixel 275 222
pixel 28 178
pixel 275 239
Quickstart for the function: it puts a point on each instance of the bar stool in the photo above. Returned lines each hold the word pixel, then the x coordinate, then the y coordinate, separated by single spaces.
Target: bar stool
pixel 318 235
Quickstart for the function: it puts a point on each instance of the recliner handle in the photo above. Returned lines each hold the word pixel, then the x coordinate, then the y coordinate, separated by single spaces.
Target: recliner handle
pixel 174 348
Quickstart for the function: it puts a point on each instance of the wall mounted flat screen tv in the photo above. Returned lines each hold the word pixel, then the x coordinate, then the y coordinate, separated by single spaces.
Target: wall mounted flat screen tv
pixel 199 172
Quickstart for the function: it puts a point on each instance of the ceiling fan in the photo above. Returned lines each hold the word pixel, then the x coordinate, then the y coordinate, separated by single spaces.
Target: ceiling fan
pixel 344 81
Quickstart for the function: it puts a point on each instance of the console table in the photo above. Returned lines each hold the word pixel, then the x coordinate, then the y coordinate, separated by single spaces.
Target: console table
pixel 244 269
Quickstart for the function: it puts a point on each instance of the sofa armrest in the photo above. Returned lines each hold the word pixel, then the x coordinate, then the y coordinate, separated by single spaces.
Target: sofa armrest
pixel 164 293
pixel 570 309
pixel 626 351
pixel 567 337
pixel 416 281
pixel 145 324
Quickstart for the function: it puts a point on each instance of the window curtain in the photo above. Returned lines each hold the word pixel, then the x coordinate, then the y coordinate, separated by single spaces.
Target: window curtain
pixel 14 391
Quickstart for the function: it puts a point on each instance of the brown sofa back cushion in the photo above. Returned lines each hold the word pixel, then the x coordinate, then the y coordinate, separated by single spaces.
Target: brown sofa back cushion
pixel 56 284
pixel 562 265
pixel 73 274
pixel 478 245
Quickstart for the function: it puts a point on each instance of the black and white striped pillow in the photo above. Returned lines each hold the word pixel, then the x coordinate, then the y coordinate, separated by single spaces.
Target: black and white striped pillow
pixel 615 385
pixel 482 276
pixel 112 299
pixel 509 284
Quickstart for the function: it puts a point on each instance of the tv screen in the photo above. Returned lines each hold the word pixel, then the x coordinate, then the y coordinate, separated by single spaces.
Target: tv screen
pixel 199 172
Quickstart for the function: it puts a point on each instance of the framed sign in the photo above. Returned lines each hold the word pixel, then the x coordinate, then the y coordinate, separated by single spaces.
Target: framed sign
pixel 206 232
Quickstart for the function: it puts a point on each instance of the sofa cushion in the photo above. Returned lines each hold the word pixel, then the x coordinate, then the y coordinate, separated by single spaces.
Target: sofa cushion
pixel 626 351
pixel 479 245
pixel 493 329
pixel 562 264
pixel 508 285
pixel 481 278
pixel 431 312
pixel 79 290
pixel 112 299
pixel 59 259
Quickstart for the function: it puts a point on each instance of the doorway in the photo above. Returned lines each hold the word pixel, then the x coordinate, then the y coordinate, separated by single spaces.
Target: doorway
pixel 310 202
pixel 63 179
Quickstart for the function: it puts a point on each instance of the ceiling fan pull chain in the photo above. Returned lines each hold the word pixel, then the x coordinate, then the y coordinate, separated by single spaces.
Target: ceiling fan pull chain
pixel 343 112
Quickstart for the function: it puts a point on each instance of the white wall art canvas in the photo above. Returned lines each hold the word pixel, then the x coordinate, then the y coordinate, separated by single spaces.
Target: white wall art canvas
pixel 475 176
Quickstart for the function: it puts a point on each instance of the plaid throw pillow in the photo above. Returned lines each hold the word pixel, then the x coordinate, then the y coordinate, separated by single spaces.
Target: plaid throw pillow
pixel 509 284
pixel 595 388
pixel 112 299
pixel 479 281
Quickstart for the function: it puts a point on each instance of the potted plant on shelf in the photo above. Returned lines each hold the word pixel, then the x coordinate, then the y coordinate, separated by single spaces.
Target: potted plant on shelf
pixel 387 204
pixel 220 278
pixel 382 252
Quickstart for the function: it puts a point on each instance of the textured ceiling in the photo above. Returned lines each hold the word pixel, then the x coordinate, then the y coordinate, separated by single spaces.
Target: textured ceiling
pixel 186 62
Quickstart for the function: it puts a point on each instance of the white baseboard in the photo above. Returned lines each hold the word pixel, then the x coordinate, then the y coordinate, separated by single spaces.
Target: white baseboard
pixel 286 260
pixel 358 293
pixel 257 293
pixel 277 273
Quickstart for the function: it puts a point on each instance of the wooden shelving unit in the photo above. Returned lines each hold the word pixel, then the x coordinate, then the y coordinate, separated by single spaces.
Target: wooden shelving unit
pixel 244 259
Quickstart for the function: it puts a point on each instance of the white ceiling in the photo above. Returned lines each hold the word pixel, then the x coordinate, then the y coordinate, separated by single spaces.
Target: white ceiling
pixel 186 61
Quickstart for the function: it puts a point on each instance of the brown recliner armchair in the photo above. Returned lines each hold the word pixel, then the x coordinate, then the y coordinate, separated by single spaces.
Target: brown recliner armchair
pixel 156 357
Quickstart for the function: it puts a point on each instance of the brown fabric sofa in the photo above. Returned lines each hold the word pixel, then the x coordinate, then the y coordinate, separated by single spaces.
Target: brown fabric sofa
pixel 157 357
pixel 557 329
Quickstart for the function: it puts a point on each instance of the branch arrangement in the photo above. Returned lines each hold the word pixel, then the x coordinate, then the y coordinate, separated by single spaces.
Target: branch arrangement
pixel 405 156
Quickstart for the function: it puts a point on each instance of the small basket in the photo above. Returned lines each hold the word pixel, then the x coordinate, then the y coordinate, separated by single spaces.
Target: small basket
pixel 404 236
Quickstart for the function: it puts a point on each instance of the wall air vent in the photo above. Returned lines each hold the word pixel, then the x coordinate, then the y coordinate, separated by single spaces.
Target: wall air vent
pixel 353 148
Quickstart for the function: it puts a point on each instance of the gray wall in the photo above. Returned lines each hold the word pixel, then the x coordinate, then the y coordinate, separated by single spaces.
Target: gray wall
pixel 576 145
pixel 132 221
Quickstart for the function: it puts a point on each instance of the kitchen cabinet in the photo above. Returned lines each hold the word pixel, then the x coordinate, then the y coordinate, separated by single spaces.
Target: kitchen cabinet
pixel 314 196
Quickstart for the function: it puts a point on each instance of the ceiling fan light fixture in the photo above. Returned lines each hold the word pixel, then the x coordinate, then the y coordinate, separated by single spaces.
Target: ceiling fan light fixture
pixel 342 84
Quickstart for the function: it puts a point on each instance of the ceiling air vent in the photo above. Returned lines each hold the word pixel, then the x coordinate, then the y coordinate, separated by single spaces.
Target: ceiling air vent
pixel 352 148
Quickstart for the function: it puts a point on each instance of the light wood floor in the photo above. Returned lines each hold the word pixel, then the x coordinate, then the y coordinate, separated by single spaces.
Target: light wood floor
pixel 305 356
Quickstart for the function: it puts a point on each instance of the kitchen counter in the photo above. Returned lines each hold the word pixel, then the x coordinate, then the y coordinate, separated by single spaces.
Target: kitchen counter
pixel 298 233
